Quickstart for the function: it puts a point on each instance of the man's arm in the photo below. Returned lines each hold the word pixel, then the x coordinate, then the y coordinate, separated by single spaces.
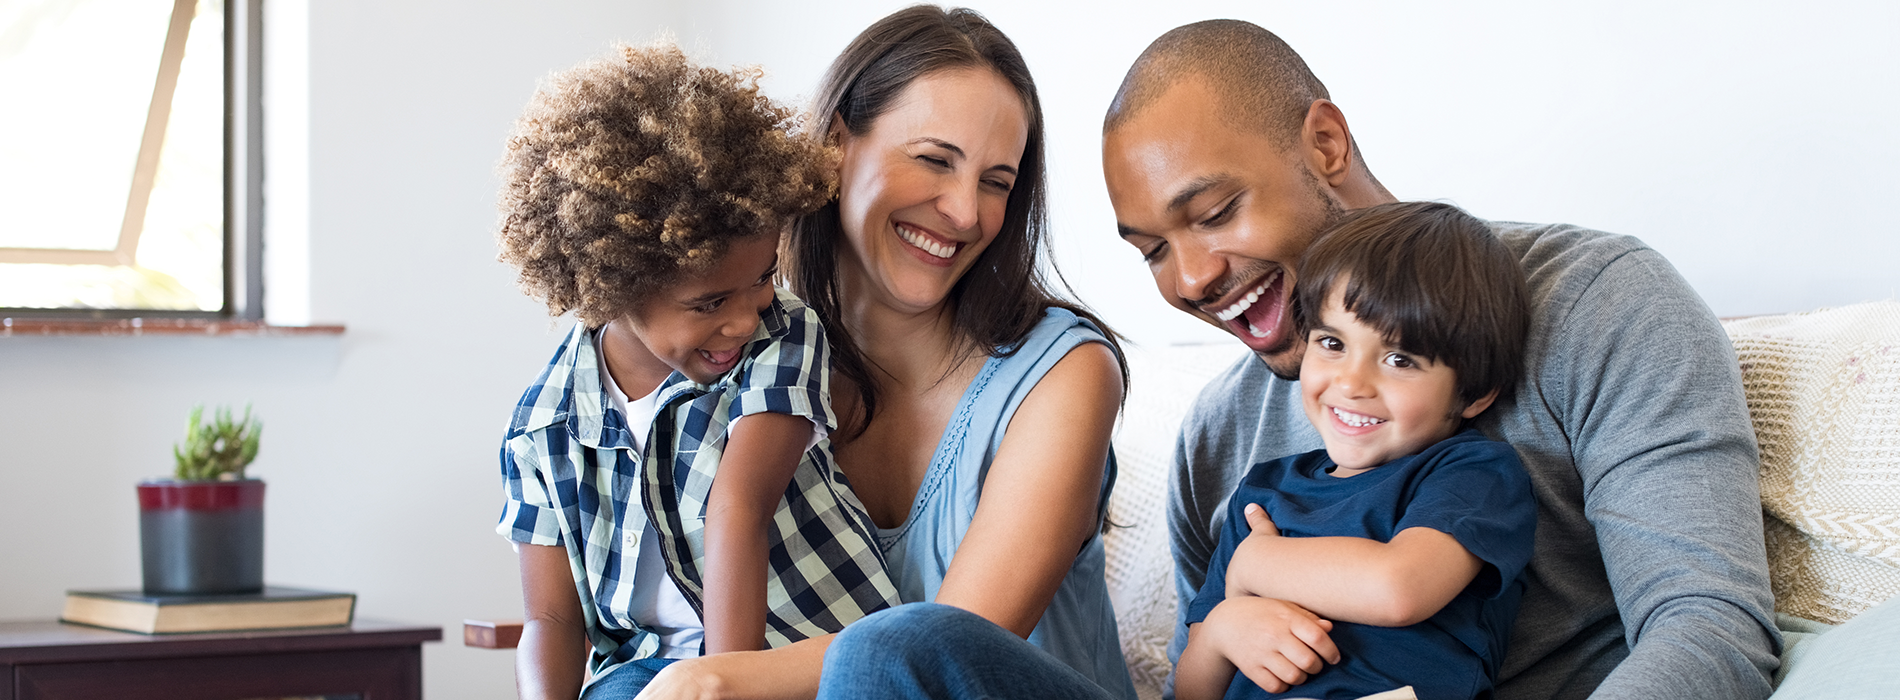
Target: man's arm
pixel 760 456
pixel 1388 584
pixel 1646 386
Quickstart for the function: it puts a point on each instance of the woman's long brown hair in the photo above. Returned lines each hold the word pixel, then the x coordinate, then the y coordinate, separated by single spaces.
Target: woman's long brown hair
pixel 1003 296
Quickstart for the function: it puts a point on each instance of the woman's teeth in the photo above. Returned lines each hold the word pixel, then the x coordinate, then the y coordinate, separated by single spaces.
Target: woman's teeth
pixel 1356 420
pixel 924 243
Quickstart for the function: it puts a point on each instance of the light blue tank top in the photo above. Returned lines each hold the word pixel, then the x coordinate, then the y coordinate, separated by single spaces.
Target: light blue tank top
pixel 1079 626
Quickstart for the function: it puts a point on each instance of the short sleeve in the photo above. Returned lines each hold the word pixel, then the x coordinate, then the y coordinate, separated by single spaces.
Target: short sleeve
pixel 529 514
pixel 789 369
pixel 1214 587
pixel 1478 493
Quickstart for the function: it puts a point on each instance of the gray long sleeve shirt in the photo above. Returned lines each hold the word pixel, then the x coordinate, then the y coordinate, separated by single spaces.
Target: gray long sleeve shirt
pixel 1649 578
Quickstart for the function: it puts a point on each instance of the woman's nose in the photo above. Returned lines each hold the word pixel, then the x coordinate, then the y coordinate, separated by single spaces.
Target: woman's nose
pixel 957 205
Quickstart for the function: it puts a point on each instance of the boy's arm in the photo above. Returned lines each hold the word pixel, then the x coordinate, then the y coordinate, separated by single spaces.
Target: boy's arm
pixel 1387 584
pixel 760 456
pixel 550 660
pixel 1277 645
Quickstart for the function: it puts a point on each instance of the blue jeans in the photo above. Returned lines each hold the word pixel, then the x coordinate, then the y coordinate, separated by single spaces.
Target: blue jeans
pixel 626 680
pixel 928 650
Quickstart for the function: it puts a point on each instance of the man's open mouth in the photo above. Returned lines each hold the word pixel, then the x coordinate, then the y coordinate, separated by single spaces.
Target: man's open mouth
pixel 1248 318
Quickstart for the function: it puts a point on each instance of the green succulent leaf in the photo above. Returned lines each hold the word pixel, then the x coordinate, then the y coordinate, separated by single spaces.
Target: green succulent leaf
pixel 218 450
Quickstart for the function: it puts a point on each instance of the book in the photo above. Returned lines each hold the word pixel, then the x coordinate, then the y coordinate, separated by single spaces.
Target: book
pixel 273 608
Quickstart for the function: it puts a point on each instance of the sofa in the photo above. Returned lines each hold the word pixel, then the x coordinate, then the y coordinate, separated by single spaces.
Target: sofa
pixel 1823 391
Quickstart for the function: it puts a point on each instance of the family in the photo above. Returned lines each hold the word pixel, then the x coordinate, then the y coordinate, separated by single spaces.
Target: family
pixel 827 425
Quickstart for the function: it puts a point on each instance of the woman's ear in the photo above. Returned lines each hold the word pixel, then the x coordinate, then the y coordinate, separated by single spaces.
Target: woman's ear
pixel 1478 406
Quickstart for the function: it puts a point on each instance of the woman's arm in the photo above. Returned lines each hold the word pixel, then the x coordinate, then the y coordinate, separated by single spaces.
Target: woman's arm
pixel 550 661
pixel 759 459
pixel 1388 584
pixel 1038 505
pixel 1038 508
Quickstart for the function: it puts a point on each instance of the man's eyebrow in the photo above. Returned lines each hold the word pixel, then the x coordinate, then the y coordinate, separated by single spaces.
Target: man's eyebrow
pixel 953 148
pixel 1196 188
pixel 1125 230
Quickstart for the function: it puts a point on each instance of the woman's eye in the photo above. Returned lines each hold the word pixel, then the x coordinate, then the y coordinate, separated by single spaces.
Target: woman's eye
pixel 997 185
pixel 933 160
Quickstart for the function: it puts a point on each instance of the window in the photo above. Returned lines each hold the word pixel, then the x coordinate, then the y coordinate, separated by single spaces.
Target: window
pixel 129 169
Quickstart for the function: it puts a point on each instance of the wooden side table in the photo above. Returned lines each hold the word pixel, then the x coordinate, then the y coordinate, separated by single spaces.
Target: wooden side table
pixel 373 660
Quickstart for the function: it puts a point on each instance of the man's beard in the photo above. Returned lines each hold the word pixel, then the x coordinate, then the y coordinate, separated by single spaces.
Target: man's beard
pixel 1284 361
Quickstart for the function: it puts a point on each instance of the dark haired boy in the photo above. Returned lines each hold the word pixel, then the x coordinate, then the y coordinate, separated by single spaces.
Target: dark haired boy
pixel 1391 558
pixel 669 485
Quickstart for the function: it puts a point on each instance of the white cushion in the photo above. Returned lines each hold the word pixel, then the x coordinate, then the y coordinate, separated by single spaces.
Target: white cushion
pixel 1824 394
pixel 1164 382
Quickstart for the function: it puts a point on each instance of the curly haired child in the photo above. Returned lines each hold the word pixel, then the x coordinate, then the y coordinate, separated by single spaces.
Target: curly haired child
pixel 670 488
pixel 1389 561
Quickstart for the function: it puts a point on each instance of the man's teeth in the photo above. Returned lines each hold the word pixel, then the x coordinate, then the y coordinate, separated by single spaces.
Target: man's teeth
pixel 923 243
pixel 1356 420
pixel 1243 305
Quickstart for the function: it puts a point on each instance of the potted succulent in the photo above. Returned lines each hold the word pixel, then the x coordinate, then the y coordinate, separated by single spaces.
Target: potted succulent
pixel 202 531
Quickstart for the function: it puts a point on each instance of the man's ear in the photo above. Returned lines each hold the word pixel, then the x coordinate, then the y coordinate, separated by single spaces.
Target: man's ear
pixel 1328 142
pixel 1478 406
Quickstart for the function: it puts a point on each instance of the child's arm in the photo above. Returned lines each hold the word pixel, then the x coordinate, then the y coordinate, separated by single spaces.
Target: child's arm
pixel 550 660
pixel 761 454
pixel 1275 643
pixel 1387 584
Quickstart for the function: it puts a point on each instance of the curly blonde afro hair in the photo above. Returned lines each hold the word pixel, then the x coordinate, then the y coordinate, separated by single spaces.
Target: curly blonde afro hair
pixel 635 169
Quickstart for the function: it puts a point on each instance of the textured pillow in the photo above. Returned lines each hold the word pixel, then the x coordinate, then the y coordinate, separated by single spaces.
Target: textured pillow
pixel 1824 394
pixel 1163 383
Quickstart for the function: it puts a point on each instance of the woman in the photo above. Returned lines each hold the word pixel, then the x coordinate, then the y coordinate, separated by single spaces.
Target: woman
pixel 977 404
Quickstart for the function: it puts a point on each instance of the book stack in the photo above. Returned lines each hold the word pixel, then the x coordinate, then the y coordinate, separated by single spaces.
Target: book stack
pixel 270 609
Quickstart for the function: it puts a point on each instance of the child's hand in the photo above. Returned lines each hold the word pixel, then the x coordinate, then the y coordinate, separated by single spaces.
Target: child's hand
pixel 1275 643
pixel 1263 529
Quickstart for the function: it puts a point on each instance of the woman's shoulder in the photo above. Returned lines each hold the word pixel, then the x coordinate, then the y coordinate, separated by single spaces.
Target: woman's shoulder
pixel 1061 328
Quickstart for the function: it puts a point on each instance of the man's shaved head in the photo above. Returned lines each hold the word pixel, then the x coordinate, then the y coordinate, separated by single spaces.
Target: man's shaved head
pixel 1263 84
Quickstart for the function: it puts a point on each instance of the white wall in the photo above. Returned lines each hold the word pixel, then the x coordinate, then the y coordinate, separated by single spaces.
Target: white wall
pixel 1751 143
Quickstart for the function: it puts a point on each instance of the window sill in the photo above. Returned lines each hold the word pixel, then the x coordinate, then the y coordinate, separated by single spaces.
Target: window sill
pixel 156 326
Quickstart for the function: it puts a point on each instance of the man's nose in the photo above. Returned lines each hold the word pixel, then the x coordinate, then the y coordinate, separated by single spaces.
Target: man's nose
pixel 1198 272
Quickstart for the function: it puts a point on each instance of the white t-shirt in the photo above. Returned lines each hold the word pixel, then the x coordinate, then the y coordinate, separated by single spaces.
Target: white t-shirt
pixel 657 602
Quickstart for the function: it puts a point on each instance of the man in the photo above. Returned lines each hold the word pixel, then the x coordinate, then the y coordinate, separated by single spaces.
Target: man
pixel 1224 157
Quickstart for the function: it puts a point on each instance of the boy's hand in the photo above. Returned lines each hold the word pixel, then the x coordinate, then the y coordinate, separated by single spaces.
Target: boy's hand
pixel 1263 529
pixel 1275 643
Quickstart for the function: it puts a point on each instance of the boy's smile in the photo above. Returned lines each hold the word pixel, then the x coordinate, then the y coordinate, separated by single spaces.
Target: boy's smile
pixel 698 326
pixel 1371 401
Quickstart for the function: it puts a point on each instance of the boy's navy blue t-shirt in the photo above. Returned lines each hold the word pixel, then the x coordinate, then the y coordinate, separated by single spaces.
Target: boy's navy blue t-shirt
pixel 1467 486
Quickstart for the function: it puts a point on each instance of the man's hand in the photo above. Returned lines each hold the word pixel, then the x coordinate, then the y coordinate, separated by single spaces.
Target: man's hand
pixel 1263 531
pixel 1275 643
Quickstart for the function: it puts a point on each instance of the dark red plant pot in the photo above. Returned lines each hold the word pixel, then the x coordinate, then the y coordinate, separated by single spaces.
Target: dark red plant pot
pixel 202 537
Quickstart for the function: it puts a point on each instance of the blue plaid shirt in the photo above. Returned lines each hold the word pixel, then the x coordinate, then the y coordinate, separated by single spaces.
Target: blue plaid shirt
pixel 570 473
